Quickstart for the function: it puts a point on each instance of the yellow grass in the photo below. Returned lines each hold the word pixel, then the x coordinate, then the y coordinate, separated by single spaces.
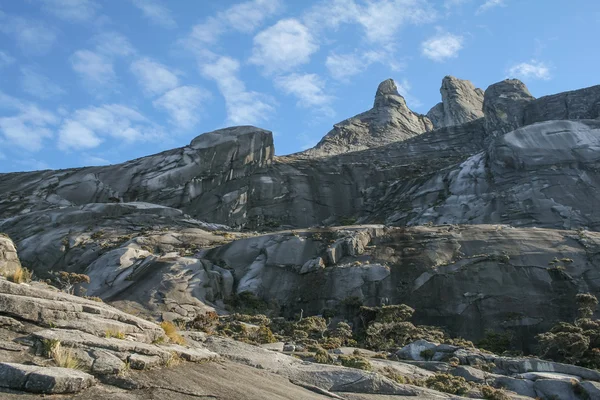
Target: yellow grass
pixel 21 275
pixel 171 332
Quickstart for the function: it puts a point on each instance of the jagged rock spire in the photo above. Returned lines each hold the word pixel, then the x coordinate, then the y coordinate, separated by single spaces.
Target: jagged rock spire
pixel 390 120
pixel 461 103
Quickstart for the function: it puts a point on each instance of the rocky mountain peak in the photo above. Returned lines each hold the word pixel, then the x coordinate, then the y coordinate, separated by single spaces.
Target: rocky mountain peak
pixel 390 120
pixel 461 102
pixel 384 90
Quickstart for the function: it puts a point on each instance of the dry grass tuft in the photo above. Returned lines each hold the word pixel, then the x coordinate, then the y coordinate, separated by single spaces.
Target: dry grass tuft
pixel 172 332
pixel 21 275
pixel 173 360
pixel 114 334
pixel 63 357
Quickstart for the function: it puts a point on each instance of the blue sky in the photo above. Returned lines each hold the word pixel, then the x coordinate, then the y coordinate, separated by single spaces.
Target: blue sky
pixel 92 82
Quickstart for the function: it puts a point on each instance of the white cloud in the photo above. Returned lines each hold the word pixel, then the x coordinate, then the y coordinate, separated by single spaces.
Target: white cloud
pixel 74 135
pixel 183 105
pixel 244 17
pixel 5 59
pixel 153 77
pixel 156 12
pixel 33 37
pixel 308 88
pixel 113 44
pixel 344 66
pixel 442 47
pixel 248 16
pixel 86 128
pixel 71 10
pixel 38 85
pixel 29 126
pixel 454 3
pixel 489 4
pixel 283 46
pixel 95 69
pixel 530 70
pixel 380 19
pixel 243 107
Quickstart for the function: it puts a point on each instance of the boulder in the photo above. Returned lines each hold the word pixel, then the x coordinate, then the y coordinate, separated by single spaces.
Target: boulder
pixel 48 380
pixel 513 366
pixel 534 376
pixel 592 389
pixel 555 389
pixel 522 387
pixel 413 351
pixel 9 261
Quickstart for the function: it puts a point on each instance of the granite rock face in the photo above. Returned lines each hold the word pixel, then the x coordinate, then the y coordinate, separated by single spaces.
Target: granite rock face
pixel 488 222
pixel 390 120
pixel 504 106
pixel 461 103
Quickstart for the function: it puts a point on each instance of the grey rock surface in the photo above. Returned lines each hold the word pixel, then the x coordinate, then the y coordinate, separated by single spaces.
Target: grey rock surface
pixel 461 103
pixel 50 380
pixel 504 106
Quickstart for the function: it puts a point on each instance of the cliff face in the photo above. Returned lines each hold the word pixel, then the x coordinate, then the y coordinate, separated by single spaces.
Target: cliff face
pixel 231 177
pixel 529 167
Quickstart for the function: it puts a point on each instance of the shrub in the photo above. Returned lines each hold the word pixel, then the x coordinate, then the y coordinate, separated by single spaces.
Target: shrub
pixel 491 393
pixel 172 333
pixel 331 343
pixel 206 322
pixel 68 281
pixel 264 335
pixel 342 331
pixel 357 362
pixel 587 304
pixel 577 342
pixel 315 327
pixel 427 354
pixel 323 357
pixel 496 342
pixel 347 221
pixel 448 384
pixel 246 303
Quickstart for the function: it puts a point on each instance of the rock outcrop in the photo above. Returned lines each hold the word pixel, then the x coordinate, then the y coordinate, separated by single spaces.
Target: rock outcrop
pixel 9 261
pixel 461 103
pixel 390 120
pixel 504 106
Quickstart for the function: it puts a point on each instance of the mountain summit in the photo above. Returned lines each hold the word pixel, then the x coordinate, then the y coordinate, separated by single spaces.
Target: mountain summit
pixel 461 103
pixel 390 120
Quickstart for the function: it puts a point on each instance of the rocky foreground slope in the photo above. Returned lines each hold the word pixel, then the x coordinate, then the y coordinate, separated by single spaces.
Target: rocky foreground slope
pixel 481 215
pixel 59 344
